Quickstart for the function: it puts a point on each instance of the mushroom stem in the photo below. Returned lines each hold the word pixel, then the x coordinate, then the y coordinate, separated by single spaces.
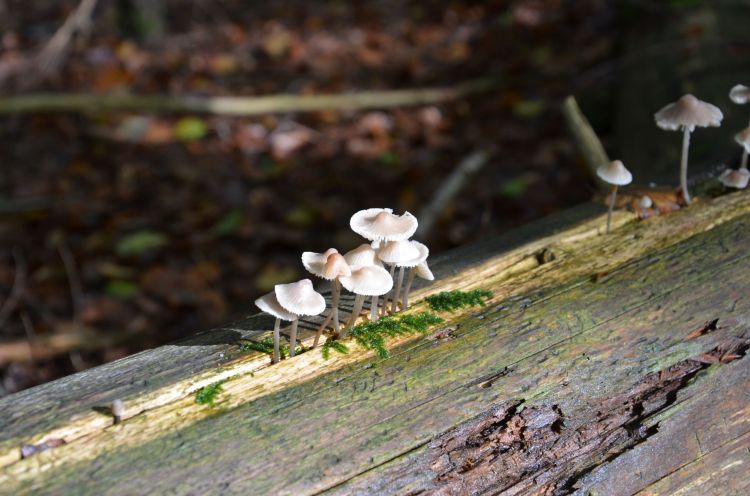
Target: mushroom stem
pixel 611 207
pixel 409 281
pixel 374 309
pixel 359 301
pixel 684 165
pixel 293 337
pixel 744 159
pixel 335 297
pixel 389 294
pixel 333 314
pixel 276 352
pixel 397 289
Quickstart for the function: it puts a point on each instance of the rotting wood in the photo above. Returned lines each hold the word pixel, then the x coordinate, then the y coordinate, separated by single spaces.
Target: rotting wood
pixel 352 421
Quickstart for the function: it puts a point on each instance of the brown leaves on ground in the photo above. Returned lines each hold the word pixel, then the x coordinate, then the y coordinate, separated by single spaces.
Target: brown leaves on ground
pixel 175 222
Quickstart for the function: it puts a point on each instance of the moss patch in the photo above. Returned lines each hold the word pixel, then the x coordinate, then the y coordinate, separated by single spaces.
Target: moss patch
pixel 453 300
pixel 372 335
pixel 207 395
pixel 335 345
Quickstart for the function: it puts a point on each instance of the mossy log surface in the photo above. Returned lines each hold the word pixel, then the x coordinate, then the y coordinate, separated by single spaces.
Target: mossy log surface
pixel 598 367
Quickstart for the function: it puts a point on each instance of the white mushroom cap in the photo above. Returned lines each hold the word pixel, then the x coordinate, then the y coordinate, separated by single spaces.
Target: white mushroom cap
pixel 329 265
pixel 381 224
pixel 423 271
pixel 300 298
pixel 269 304
pixel 615 173
pixel 645 202
pixel 735 178
pixel 364 254
pixel 743 138
pixel 739 94
pixel 687 113
pixel 403 253
pixel 368 280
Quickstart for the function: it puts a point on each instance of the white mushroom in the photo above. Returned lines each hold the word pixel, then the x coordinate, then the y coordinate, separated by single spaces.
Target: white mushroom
pixel 616 174
pixel 364 255
pixel 737 179
pixel 118 410
pixel 423 271
pixel 301 299
pixel 739 94
pixel 368 280
pixel 381 224
pixel 402 254
pixel 687 113
pixel 743 139
pixel 269 304
pixel 329 265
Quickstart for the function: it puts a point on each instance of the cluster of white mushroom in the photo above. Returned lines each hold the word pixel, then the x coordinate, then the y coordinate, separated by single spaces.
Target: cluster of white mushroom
pixel 686 114
pixel 360 271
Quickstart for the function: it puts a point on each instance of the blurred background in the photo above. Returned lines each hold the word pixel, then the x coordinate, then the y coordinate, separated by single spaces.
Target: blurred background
pixel 121 231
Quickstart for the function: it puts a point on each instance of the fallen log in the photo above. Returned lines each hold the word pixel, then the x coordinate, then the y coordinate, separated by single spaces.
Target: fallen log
pixel 598 367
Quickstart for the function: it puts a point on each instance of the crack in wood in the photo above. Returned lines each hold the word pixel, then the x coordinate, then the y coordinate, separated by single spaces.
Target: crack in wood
pixel 540 450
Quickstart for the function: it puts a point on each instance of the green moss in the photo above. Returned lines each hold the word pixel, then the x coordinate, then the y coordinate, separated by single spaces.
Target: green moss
pixel 452 300
pixel 207 394
pixel 372 335
pixel 333 344
pixel 266 346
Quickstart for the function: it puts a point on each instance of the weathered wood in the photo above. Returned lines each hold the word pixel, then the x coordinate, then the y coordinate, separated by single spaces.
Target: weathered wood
pixel 590 364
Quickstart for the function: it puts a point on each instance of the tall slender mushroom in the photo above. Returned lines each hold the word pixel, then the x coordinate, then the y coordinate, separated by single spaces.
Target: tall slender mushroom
pixel 269 304
pixel 737 179
pixel 743 139
pixel 301 299
pixel 402 254
pixel 329 265
pixel 685 114
pixel 360 256
pixel 423 271
pixel 616 174
pixel 368 280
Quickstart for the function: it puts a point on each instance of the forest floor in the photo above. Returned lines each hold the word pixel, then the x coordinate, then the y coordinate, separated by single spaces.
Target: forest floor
pixel 124 232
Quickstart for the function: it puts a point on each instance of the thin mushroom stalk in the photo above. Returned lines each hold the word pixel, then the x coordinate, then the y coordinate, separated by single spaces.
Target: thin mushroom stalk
pixel 359 301
pixel 611 207
pixel 684 165
pixel 276 338
pixel 293 337
pixel 390 293
pixel 374 309
pixel 407 288
pixel 333 314
pixel 397 289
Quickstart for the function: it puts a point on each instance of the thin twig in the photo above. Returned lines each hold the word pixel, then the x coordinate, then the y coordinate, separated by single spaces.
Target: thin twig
pixel 449 189
pixel 54 53
pixel 74 280
pixel 586 140
pixel 19 286
pixel 52 56
pixel 228 105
